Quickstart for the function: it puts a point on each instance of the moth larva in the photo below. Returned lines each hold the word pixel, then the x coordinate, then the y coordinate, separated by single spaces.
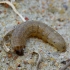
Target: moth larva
pixel 35 29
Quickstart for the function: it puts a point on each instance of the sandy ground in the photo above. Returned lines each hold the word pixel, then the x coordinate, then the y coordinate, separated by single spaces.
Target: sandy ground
pixel 54 13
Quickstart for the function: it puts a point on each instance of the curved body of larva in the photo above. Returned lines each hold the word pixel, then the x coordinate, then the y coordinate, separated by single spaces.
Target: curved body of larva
pixel 35 29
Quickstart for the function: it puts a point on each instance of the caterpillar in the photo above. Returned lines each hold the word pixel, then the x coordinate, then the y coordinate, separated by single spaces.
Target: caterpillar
pixel 37 29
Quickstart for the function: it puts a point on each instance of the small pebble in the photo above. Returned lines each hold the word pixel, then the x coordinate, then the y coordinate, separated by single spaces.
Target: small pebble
pixel 15 57
pixel 25 62
pixel 26 18
pixel 42 65
pixel 10 68
pixel 63 62
pixel 6 5
pixel 65 6
pixel 18 22
pixel 60 19
pixel 9 55
pixel 0 12
pixel 31 61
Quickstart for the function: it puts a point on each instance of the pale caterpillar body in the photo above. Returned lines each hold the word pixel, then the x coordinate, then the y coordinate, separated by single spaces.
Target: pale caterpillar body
pixel 35 29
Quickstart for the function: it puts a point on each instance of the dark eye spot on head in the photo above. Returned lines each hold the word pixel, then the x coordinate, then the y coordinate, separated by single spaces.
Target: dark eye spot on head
pixel 63 47
pixel 58 50
pixel 54 42
pixel 19 52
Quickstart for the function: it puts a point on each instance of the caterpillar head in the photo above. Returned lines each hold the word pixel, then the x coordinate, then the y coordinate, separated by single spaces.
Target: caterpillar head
pixel 19 50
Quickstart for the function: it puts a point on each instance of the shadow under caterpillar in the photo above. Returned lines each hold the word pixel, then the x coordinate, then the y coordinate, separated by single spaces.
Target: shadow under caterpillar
pixel 35 29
